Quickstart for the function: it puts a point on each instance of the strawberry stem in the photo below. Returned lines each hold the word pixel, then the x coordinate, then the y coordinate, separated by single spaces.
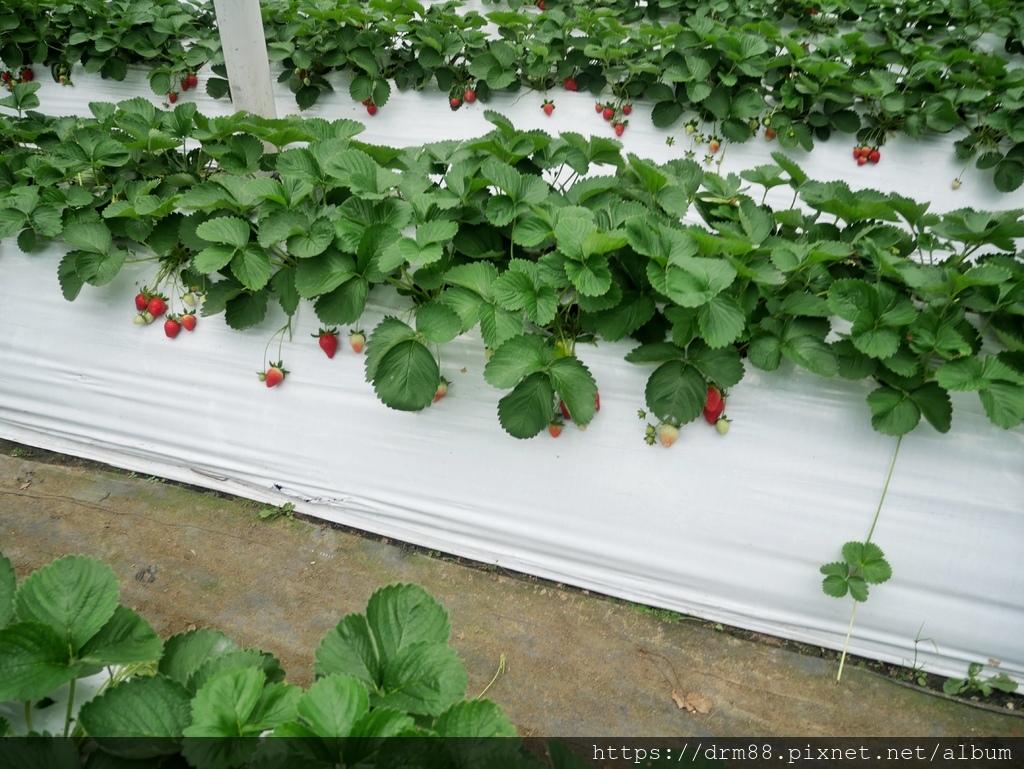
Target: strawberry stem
pixel 871 531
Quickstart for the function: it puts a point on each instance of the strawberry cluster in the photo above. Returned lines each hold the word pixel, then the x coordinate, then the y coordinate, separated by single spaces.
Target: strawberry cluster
pixel 152 305
pixel 615 115
pixel 189 81
pixel 666 432
pixel 865 154
pixel 11 79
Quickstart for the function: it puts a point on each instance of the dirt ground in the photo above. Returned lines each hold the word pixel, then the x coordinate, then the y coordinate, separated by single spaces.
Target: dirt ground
pixel 575 663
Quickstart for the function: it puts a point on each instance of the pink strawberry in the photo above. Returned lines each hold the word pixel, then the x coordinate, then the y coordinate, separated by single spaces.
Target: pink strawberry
pixel 667 434
pixel 357 340
pixel 275 374
pixel 555 428
pixel 442 389
pixel 188 320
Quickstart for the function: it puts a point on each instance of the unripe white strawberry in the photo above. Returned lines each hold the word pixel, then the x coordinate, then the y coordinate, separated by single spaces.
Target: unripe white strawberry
pixel 667 434
pixel 722 425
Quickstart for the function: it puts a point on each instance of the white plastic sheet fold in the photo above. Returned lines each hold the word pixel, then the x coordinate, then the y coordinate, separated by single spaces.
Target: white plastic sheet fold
pixel 730 528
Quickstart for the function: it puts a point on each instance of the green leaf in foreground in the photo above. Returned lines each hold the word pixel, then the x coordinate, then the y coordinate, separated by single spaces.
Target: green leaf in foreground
pixel 34 660
pixel 407 376
pixel 75 595
pixel 151 707
pixel 8 585
pixel 527 410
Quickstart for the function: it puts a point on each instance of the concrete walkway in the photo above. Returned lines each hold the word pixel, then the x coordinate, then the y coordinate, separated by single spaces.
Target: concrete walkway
pixel 576 664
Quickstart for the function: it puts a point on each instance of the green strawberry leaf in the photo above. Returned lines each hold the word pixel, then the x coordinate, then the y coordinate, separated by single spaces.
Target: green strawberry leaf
pixel 527 410
pixel 406 376
pixel 8 586
pixel 868 560
pixel 126 637
pixel 676 392
pixel 152 711
pixel 893 412
pixel 836 582
pixel 423 678
pixel 474 718
pixel 74 595
pixel 332 705
pixel 34 661
pixel 516 358
pixel 186 653
pixel 349 649
pixel 576 387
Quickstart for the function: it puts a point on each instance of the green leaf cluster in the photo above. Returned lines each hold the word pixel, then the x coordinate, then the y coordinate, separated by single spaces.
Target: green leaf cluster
pixel 388 672
pixel 863 564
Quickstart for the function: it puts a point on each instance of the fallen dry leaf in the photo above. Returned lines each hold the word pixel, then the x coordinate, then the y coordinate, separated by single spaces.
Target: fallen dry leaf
pixel 698 703
pixel 24 486
pixel 679 701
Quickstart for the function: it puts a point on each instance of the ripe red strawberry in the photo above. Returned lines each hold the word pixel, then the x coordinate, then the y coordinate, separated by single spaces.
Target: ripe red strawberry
pixel 275 374
pixel 565 410
pixel 371 109
pixel 874 156
pixel 327 338
pixel 620 128
pixel 193 81
pixel 367 101
pixel 608 113
pixel 541 5
pixel 455 102
pixel 770 133
pixel 555 428
pixel 27 75
pixel 157 306
pixel 442 390
pixel 172 97
pixel 570 84
pixel 597 401
pixel 667 434
pixel 141 301
pixel 184 84
pixel 5 77
pixel 357 340
pixel 627 109
pixel 714 400
pixel 469 96
pixel 548 108
pixel 713 146
pixel 188 320
pixel 172 327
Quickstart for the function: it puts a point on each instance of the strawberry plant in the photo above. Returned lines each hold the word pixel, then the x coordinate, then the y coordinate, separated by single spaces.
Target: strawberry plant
pixel 855 284
pixel 200 698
